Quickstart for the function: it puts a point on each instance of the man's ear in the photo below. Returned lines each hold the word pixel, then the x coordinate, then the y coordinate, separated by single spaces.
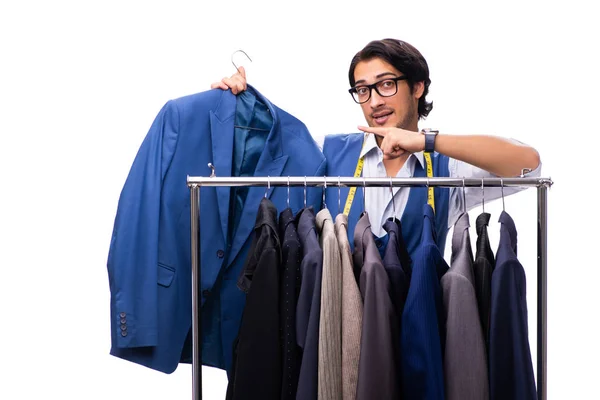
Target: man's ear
pixel 418 89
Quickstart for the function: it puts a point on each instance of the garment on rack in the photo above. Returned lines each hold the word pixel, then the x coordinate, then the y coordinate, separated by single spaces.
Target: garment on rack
pixel 482 268
pixel 291 257
pixel 343 151
pixel 511 369
pixel 465 357
pixel 330 327
pixel 377 369
pixel 308 309
pixel 149 258
pixel 257 360
pixel 421 337
pixel 352 312
pixel 398 265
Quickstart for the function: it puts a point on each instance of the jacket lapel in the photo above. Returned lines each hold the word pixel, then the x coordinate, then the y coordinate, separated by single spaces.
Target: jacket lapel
pixel 222 150
pixel 267 166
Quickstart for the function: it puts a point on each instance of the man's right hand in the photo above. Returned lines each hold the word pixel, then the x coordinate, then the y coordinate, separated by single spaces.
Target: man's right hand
pixel 237 82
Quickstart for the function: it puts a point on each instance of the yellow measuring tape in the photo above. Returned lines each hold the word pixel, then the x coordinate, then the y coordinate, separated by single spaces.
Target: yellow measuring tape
pixel 358 171
pixel 430 198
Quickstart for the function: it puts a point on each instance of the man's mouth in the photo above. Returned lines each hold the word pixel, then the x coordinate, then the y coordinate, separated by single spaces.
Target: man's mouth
pixel 382 117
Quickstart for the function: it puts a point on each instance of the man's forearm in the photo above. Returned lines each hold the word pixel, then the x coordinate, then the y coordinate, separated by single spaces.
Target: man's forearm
pixel 497 155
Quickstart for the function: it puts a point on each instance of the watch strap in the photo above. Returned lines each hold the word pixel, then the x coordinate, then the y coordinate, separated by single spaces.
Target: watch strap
pixel 430 136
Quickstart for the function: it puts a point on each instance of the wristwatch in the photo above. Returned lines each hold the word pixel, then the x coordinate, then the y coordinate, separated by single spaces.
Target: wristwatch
pixel 430 135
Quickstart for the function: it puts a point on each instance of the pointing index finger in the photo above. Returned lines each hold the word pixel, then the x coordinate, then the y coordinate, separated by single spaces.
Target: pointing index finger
pixel 374 130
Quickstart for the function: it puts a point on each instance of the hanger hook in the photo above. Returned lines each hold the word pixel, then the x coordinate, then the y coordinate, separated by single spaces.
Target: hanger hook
pixel 364 194
pixel 304 191
pixel 212 167
pixel 502 189
pixel 237 51
pixel 339 195
pixel 324 190
pixel 464 195
pixel 482 196
pixel 288 190
pixel 392 194
pixel 268 186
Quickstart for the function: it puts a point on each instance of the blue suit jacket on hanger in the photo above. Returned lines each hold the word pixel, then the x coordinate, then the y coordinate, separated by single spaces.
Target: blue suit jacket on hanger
pixel 149 264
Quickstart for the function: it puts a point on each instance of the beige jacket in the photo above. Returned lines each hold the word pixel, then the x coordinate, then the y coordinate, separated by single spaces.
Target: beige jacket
pixel 352 312
pixel 330 324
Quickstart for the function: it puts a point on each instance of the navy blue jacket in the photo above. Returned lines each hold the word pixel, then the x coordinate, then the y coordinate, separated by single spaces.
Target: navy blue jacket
pixel 511 369
pixel 308 309
pixel 422 319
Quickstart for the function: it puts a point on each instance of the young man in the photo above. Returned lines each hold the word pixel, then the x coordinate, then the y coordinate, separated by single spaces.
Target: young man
pixel 389 79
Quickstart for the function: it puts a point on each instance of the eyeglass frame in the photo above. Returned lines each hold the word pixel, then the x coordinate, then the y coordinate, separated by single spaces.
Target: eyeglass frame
pixel 374 86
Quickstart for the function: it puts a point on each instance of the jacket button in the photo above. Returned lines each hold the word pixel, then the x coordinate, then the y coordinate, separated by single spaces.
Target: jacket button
pixel 122 315
pixel 123 320
pixel 206 293
pixel 123 333
pixel 220 253
pixel 123 327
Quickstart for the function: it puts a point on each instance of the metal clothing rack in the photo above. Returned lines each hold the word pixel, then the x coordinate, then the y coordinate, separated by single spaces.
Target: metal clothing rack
pixel 542 185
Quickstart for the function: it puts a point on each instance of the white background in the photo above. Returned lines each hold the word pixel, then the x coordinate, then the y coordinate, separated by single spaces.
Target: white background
pixel 81 82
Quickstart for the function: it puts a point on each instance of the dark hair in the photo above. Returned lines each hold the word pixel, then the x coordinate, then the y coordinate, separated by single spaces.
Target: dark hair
pixel 402 56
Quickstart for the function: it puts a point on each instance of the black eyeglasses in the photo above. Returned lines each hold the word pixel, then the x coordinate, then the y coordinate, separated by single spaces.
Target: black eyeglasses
pixel 385 88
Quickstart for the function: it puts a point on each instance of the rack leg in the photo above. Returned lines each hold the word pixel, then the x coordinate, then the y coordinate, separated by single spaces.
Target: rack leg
pixel 196 309
pixel 542 192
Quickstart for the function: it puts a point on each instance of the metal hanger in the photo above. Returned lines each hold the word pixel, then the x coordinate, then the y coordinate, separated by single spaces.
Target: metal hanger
pixel 393 201
pixel 268 186
pixel 305 192
pixel 238 51
pixel 288 188
pixel 525 171
pixel 364 194
pixel 212 167
pixel 464 195
pixel 482 197
pixel 324 190
pixel 339 195
pixel 238 70
pixel 502 189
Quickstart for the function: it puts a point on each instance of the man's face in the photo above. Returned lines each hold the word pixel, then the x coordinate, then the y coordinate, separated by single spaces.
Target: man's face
pixel 399 110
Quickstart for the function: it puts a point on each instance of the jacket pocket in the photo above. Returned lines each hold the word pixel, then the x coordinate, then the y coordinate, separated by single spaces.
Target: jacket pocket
pixel 165 275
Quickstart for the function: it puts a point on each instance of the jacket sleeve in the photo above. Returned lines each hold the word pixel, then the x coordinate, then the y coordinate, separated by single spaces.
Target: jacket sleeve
pixel 133 255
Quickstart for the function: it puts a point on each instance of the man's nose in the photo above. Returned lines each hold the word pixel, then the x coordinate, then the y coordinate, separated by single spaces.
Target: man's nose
pixel 376 100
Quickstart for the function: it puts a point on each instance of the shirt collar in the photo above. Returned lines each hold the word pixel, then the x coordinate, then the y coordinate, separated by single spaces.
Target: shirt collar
pixel 266 215
pixel 370 144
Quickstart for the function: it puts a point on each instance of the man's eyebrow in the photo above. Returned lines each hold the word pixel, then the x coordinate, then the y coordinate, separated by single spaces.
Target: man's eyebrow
pixel 362 81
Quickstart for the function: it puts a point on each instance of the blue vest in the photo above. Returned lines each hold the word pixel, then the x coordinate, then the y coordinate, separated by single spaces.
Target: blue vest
pixel 342 152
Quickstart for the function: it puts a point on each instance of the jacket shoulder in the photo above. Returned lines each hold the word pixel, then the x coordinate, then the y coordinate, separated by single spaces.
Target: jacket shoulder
pixel 343 137
pixel 335 142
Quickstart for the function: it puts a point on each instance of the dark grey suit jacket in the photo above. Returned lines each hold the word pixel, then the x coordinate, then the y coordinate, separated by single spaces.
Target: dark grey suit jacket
pixel 378 376
pixel 483 268
pixel 465 360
